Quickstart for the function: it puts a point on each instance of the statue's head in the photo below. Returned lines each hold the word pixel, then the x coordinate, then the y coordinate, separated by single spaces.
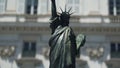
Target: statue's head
pixel 65 17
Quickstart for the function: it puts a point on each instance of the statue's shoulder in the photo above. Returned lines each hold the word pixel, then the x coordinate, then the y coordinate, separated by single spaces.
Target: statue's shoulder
pixel 68 27
pixel 63 29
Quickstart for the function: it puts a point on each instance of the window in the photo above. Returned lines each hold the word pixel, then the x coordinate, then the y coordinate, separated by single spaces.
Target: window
pixel 31 6
pixel 114 7
pixel 2 6
pixel 115 50
pixel 75 5
pixel 29 49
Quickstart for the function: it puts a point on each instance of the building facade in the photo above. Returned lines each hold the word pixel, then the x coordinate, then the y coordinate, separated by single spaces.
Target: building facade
pixel 25 32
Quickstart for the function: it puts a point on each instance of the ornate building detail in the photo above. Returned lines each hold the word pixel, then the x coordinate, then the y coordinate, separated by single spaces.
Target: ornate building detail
pixel 7 51
pixel 95 53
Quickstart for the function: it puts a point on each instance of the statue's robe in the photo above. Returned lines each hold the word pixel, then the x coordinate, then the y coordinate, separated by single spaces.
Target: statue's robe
pixel 62 48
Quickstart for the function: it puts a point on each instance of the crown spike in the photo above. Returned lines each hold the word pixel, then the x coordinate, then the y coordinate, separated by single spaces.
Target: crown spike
pixel 71 13
pixel 65 8
pixel 61 9
pixel 69 9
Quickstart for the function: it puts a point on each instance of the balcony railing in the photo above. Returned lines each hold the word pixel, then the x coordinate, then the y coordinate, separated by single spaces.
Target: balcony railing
pixel 114 19
pixel 45 18
pixel 28 54
pixel 31 61
pixel 115 54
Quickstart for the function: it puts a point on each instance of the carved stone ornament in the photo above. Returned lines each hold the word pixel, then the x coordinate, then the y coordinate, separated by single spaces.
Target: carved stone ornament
pixel 95 53
pixel 7 51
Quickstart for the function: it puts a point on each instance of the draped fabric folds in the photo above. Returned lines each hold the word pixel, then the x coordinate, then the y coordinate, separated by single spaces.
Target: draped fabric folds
pixel 62 48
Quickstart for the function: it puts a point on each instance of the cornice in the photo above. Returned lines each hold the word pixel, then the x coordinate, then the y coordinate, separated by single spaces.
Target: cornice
pixel 46 29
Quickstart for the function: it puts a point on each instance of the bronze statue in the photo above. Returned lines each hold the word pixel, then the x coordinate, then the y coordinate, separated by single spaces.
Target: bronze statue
pixel 63 44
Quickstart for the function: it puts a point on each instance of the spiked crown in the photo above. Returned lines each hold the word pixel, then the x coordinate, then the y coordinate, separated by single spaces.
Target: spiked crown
pixel 65 14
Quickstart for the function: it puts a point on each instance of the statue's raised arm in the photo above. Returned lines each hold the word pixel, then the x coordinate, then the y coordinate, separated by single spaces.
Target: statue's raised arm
pixel 55 22
pixel 53 7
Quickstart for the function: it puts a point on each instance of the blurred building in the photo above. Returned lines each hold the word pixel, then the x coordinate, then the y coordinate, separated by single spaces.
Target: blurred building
pixel 25 32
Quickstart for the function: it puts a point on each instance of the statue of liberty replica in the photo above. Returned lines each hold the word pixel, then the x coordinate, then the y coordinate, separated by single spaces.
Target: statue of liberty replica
pixel 64 46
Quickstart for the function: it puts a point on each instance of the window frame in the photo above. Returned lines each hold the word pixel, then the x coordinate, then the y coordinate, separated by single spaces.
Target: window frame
pixel 113 7
pixel 115 52
pixel 33 10
pixel 30 52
